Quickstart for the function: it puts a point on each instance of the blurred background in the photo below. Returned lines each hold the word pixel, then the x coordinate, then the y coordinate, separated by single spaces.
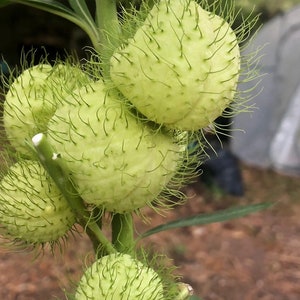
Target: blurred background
pixel 257 257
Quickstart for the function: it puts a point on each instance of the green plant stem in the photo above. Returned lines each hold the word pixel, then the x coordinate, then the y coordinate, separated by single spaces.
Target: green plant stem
pixel 123 233
pixel 109 31
pixel 55 167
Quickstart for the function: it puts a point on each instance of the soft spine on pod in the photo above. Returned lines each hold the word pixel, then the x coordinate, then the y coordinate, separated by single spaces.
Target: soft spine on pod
pixel 181 67
pixel 116 162
pixel 119 277
pixel 32 99
pixel 32 209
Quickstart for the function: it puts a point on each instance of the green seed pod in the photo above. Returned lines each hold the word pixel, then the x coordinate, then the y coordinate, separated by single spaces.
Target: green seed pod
pixel 119 277
pixel 181 67
pixel 32 100
pixel 116 161
pixel 32 209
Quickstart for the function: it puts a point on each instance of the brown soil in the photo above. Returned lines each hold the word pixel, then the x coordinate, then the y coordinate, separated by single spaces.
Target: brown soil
pixel 255 257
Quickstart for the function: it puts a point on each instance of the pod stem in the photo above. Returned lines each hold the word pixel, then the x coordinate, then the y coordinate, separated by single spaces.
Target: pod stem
pixel 123 233
pixel 108 25
pixel 57 170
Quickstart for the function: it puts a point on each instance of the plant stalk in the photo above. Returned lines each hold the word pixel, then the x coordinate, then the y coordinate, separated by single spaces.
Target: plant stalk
pixel 55 167
pixel 123 233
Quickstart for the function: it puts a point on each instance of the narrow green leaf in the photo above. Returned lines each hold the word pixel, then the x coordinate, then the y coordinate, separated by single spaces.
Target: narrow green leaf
pixel 54 7
pixel 219 216
pixel 82 10
pixel 57 8
pixel 47 5
pixel 80 7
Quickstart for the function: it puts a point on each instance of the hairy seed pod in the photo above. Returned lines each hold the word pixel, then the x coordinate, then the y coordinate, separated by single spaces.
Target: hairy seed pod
pixel 181 67
pixel 115 161
pixel 32 209
pixel 119 277
pixel 32 100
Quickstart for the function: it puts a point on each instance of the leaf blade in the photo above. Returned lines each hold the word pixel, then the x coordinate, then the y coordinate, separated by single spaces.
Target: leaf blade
pixel 48 5
pixel 57 8
pixel 82 10
pixel 202 219
pixel 80 7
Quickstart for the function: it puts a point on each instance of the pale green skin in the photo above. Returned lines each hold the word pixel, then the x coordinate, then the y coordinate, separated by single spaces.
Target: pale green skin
pixel 32 209
pixel 119 277
pixel 181 67
pixel 32 100
pixel 115 161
